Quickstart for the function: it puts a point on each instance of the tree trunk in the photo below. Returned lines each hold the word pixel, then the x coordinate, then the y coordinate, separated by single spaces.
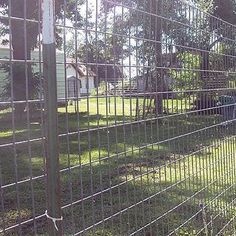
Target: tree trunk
pixel 158 86
pixel 204 65
pixel 24 35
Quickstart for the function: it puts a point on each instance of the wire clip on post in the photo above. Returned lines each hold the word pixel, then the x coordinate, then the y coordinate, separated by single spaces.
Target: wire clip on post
pixel 54 220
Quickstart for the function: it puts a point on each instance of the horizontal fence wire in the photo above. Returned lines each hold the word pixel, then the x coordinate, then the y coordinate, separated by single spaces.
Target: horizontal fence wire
pixel 146 118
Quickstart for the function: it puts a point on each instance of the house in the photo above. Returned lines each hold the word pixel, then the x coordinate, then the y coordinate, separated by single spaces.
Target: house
pixel 78 79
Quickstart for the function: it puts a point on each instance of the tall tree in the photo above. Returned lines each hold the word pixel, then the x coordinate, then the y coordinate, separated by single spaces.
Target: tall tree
pixel 150 36
pixel 218 31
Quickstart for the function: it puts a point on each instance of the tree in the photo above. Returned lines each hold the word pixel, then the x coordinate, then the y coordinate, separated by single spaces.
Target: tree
pixel 209 35
pixel 159 34
pixel 104 59
pixel 156 35
pixel 102 52
pixel 24 29
pixel 24 35
pixel 225 10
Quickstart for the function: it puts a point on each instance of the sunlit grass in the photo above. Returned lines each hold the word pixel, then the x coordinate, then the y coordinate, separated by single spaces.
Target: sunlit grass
pixel 144 159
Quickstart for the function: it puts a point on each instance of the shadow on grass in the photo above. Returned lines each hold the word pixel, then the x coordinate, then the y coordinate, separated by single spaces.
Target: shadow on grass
pixel 122 187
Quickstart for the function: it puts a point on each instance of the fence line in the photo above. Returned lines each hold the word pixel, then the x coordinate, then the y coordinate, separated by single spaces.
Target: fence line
pixel 118 118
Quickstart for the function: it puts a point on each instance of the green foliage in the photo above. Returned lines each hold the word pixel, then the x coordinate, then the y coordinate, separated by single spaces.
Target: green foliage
pixel 126 84
pixel 188 77
pixel 97 51
pixel 102 89
pixel 205 5
pixel 186 232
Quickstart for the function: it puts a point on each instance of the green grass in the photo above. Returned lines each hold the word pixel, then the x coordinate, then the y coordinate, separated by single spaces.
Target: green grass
pixel 137 158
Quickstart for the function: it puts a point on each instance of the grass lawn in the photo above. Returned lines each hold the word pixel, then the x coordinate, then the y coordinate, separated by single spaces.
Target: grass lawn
pixel 177 172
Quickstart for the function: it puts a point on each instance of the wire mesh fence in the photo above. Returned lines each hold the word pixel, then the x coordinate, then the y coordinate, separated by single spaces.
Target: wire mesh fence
pixel 145 119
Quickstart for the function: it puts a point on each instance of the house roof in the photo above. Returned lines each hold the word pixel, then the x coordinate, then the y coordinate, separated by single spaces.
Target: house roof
pixel 82 69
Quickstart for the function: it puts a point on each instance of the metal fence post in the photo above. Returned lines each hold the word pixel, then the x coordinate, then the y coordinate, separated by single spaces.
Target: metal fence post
pixel 53 212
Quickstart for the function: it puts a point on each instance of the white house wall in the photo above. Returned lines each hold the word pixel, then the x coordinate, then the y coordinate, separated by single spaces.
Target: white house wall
pixel 5 54
pixel 35 55
pixel 70 71
pixel 85 89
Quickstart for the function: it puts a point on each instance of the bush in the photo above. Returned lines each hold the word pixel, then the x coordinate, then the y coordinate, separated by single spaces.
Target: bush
pixel 102 89
pixel 203 104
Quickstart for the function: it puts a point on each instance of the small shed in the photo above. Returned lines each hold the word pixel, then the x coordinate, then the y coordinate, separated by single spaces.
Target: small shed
pixel 80 79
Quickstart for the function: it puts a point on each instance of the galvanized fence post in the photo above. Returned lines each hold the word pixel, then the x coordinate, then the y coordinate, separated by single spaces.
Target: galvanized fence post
pixel 53 212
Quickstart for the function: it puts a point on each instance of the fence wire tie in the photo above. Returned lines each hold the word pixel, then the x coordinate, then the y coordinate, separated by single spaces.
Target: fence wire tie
pixel 54 220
